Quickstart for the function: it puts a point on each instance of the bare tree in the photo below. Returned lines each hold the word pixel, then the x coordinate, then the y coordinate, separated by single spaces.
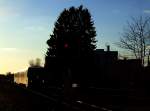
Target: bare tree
pixel 35 63
pixel 136 37
pixel 31 63
pixel 38 62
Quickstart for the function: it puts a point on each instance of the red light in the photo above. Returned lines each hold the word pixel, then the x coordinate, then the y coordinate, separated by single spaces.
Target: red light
pixel 66 45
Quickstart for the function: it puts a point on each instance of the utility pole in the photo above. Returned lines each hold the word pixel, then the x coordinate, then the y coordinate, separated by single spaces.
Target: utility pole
pixel 68 83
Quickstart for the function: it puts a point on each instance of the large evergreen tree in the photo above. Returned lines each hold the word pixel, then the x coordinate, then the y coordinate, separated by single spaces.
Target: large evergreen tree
pixel 73 34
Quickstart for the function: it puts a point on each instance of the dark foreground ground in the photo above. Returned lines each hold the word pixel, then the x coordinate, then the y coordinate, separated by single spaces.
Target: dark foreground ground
pixel 15 98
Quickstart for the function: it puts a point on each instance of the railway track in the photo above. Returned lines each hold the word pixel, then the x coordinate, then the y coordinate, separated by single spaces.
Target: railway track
pixel 59 102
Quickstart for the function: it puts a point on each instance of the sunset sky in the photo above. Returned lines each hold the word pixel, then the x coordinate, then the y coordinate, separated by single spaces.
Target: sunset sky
pixel 25 25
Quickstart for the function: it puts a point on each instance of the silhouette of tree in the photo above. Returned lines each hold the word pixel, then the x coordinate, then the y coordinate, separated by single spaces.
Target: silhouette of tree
pixel 71 46
pixel 73 34
pixel 136 37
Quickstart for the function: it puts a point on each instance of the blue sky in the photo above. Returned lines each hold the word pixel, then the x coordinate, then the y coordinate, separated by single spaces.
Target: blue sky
pixel 25 25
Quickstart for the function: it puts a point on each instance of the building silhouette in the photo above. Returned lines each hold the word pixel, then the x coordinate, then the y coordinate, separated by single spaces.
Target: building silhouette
pixel 101 70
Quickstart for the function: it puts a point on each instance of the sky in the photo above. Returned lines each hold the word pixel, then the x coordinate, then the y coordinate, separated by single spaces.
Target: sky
pixel 25 26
